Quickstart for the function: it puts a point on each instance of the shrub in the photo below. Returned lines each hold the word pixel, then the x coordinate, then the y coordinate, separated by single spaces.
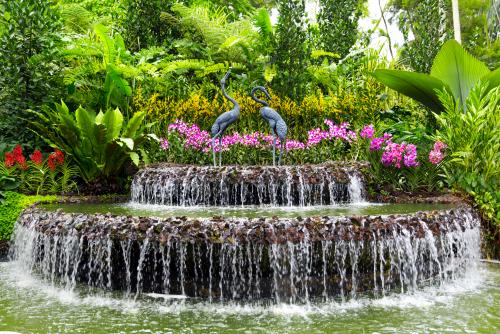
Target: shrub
pixel 473 137
pixel 37 174
pixel 100 145
pixel 307 114
pixel 11 208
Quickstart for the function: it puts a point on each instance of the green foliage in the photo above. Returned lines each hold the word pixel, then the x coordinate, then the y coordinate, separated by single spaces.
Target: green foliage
pixel 144 25
pixel 428 22
pixel 291 50
pixel 29 67
pixel 480 29
pixel 7 183
pixel 100 145
pixel 473 138
pixel 11 208
pixel 101 70
pixel 338 24
pixel 453 70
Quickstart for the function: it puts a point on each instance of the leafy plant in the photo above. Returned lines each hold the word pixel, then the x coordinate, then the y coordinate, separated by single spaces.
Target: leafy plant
pixel 38 175
pixel 453 70
pixel 7 183
pixel 291 50
pixel 101 70
pixel 29 64
pixel 429 23
pixel 144 25
pixel 338 24
pixel 101 144
pixel 473 138
pixel 12 206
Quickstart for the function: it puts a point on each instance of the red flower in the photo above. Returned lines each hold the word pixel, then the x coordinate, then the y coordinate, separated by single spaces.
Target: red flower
pixel 55 159
pixel 18 154
pixel 10 159
pixel 18 150
pixel 59 156
pixel 51 162
pixel 37 157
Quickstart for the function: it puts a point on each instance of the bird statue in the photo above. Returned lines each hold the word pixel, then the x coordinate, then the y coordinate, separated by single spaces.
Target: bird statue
pixel 224 120
pixel 277 124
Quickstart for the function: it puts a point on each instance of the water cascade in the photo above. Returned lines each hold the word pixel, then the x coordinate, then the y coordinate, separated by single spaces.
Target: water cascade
pixel 304 185
pixel 264 260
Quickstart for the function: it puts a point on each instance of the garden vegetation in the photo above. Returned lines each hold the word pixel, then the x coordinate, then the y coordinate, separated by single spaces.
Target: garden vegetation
pixel 91 89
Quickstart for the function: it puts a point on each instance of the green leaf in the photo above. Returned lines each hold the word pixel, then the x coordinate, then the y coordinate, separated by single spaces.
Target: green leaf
pixel 114 80
pixel 418 86
pixel 153 136
pixel 107 42
pixel 134 124
pixel 85 121
pixel 493 79
pixel 113 121
pixel 458 69
pixel 135 158
pixel 129 142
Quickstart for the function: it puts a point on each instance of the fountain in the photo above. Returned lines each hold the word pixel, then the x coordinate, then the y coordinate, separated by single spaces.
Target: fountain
pixel 265 260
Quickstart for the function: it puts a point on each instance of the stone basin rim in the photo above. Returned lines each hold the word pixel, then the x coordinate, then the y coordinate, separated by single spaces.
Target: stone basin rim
pixel 456 206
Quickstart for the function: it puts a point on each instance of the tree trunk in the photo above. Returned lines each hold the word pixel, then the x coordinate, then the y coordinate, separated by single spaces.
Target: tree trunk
pixel 456 21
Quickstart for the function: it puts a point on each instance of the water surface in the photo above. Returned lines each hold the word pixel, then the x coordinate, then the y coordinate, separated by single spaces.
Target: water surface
pixel 134 209
pixel 468 305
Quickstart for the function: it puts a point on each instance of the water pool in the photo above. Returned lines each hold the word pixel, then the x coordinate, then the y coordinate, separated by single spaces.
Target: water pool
pixel 30 305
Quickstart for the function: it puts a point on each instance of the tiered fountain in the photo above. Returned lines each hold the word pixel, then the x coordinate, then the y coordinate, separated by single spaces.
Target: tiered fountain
pixel 309 253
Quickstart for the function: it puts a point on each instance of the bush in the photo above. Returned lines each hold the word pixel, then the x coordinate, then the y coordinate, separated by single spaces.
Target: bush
pixel 100 145
pixel 11 208
pixel 473 138
pixel 300 116
pixel 37 174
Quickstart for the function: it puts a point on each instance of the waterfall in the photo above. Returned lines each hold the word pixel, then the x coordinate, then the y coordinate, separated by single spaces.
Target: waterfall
pixel 267 260
pixel 305 185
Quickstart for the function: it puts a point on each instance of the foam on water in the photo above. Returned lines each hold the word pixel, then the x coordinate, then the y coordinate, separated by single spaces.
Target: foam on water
pixel 15 276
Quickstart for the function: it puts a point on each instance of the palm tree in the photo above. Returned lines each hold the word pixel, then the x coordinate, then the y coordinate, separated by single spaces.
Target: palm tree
pixel 456 21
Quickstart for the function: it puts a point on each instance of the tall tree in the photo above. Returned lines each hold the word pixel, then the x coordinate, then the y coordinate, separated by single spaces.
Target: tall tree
pixel 480 21
pixel 291 50
pixel 429 23
pixel 338 24
pixel 144 26
pixel 29 69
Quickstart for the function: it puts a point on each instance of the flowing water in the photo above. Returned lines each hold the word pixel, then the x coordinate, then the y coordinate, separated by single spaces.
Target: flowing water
pixel 269 261
pixel 248 250
pixel 306 185
pixel 30 305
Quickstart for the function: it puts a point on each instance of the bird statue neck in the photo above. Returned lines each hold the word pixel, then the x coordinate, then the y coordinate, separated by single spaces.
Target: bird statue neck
pixel 226 95
pixel 252 94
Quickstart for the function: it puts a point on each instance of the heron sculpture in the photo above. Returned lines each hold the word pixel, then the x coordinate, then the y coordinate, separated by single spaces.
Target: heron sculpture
pixel 277 124
pixel 224 120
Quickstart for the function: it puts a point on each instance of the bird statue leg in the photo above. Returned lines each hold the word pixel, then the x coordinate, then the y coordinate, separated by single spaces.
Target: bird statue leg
pixel 282 146
pixel 213 149
pixel 220 151
pixel 274 149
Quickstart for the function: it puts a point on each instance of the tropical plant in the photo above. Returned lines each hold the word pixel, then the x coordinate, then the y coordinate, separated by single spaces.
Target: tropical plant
pixel 7 183
pixel 29 66
pixel 473 138
pixel 291 50
pixel 143 23
pixel 100 145
pixel 51 175
pixel 429 23
pixel 338 24
pixel 100 71
pixel 453 70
